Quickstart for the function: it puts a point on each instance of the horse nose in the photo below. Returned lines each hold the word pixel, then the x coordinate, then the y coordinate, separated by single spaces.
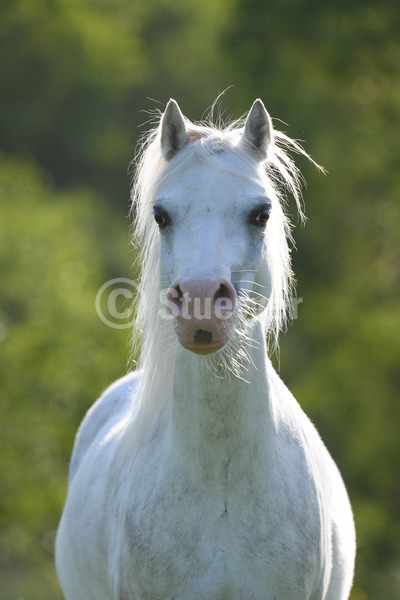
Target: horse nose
pixel 204 300
pixel 204 311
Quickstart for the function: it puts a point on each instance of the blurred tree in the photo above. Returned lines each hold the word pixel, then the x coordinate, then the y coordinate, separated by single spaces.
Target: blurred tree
pixel 75 76
pixel 56 249
pixel 64 82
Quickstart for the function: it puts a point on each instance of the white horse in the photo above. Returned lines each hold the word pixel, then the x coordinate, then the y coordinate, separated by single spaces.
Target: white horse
pixel 199 477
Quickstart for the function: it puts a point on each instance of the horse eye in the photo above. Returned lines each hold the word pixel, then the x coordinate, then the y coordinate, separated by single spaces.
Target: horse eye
pixel 161 218
pixel 260 215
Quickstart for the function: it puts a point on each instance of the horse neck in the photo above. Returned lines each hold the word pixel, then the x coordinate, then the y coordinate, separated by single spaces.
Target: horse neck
pixel 225 417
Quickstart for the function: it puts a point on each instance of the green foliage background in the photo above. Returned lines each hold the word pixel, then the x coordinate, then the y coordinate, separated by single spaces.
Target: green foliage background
pixel 75 77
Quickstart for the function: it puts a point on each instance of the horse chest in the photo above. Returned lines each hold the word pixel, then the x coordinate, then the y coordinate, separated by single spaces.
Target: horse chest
pixel 186 541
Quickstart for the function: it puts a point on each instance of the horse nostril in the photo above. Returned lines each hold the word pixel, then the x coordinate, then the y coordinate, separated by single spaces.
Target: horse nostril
pixel 179 292
pixel 224 301
pixel 174 300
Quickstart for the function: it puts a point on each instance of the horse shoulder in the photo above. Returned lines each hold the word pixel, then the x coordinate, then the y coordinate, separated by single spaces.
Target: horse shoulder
pixel 104 413
pixel 315 472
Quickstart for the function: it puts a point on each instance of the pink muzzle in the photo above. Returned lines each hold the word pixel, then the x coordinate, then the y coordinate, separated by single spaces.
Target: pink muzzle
pixel 204 312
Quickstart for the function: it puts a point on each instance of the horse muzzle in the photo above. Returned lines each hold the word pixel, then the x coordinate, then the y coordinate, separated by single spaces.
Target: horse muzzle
pixel 204 312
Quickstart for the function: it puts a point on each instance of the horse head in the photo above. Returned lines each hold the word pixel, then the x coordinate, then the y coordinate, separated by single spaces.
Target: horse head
pixel 213 211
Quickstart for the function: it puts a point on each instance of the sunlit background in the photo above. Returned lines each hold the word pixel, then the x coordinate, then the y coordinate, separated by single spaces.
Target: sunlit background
pixel 78 79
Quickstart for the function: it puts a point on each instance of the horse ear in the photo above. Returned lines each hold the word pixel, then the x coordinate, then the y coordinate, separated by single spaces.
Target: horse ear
pixel 173 130
pixel 257 134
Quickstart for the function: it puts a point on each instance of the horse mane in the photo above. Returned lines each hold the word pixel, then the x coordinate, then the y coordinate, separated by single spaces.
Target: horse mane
pixel 153 333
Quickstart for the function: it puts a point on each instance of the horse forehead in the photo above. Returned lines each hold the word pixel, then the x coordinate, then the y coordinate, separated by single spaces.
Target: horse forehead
pixel 203 185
